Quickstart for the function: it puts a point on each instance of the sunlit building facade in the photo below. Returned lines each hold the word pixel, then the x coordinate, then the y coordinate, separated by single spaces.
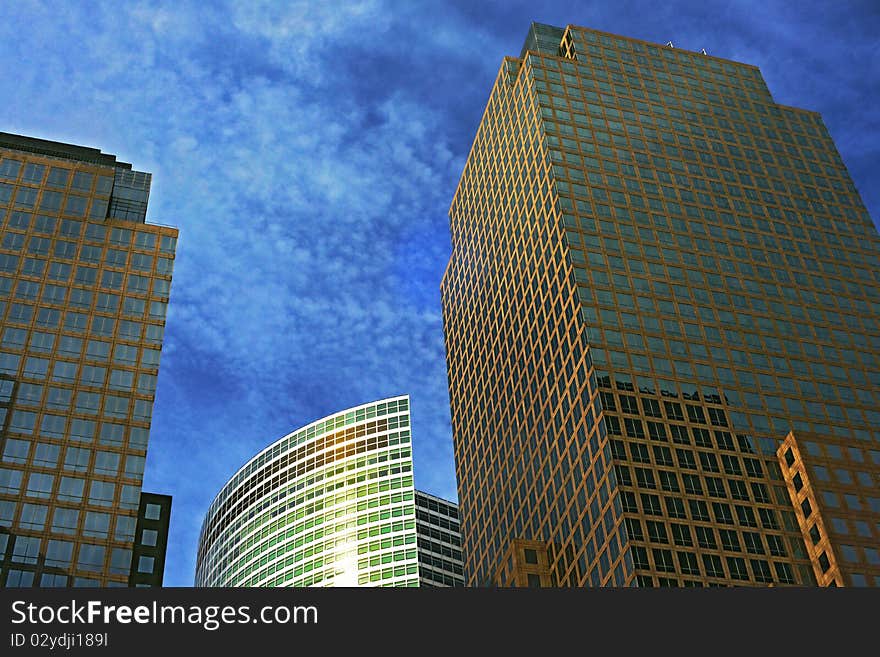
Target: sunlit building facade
pixel 661 321
pixel 84 289
pixel 331 504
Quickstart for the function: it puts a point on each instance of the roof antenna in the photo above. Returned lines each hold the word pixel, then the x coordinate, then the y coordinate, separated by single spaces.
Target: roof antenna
pixel 703 50
pixel 670 44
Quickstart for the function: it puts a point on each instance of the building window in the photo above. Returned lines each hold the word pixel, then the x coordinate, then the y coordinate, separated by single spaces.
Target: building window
pixel 91 557
pixel 26 549
pixel 71 489
pixel 849 553
pixel 651 504
pixel 40 485
pixel 125 527
pixel 687 561
pixel 858 579
pixel 663 560
pixel 681 535
pixel 120 561
pixel 730 540
pixel 19 578
pixel 10 481
pixel 101 493
pixel 699 510
pixel 738 489
pixel 33 516
pixel 86 582
pixel 706 537
pixel 627 500
pixel 97 525
pixel 783 572
pixel 16 451
pixel 645 478
pixel 675 507
pixel 640 557
pixel 59 553
pixel 679 434
pixel 668 481
pixel 107 463
pixel 77 459
pixel 65 521
pixel 769 519
pixel 657 532
pixel 634 529
pixel 695 414
pixel 761 569
pixel 717 417
pixel 639 453
pixel 51 580
pixel 657 431
pixel 760 492
pixel 715 487
pixel 673 411
pixel 746 516
pixel 712 564
pixel 663 455
pixel 754 544
pixel 150 537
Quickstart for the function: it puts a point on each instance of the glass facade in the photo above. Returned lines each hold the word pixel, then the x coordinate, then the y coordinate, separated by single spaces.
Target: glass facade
pixel 331 504
pixel 660 278
pixel 83 299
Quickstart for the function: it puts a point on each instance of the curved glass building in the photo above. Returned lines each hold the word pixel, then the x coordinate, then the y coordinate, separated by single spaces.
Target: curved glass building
pixel 330 504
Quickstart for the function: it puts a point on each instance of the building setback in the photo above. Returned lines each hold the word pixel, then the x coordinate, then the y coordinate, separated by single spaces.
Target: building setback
pixel 84 287
pixel 332 504
pixel 661 321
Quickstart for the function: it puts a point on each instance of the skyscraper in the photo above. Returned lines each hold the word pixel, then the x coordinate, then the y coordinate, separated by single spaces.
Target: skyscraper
pixel 332 504
pixel 661 320
pixel 84 286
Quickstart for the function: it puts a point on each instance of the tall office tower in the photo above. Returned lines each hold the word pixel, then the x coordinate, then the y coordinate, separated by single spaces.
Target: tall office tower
pixel 332 504
pixel 84 285
pixel 661 328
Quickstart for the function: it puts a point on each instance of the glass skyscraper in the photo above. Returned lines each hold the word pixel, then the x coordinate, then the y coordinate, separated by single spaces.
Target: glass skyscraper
pixel 84 287
pixel 661 320
pixel 332 504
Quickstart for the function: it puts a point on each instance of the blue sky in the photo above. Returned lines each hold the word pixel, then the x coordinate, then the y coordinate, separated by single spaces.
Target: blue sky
pixel 309 151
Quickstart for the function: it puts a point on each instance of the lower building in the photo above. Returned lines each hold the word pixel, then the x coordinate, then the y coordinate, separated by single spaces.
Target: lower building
pixel 332 504
pixel 150 541
pixel 439 541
